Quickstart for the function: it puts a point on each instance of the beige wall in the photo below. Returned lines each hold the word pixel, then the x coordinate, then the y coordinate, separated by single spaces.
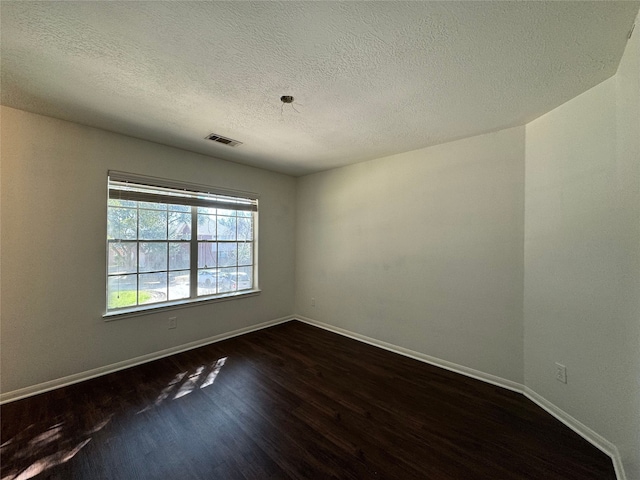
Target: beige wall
pixel 582 257
pixel 423 250
pixel 628 159
pixel 53 199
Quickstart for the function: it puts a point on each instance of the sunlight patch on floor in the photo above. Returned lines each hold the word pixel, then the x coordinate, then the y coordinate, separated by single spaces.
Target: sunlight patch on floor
pixel 184 383
pixel 31 448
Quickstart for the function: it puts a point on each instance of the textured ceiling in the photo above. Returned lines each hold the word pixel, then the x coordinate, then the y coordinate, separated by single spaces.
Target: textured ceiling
pixel 369 78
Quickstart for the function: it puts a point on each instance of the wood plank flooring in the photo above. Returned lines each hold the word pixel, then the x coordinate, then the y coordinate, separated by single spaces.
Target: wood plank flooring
pixel 289 402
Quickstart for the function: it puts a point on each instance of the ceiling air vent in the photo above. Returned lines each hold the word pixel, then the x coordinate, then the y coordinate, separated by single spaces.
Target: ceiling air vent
pixel 223 140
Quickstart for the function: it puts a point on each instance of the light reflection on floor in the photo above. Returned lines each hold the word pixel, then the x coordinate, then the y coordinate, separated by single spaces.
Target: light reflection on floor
pixel 35 452
pixel 49 461
pixel 39 448
pixel 186 382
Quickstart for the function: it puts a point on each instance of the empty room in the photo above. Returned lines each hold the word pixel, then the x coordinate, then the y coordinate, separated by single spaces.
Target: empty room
pixel 313 240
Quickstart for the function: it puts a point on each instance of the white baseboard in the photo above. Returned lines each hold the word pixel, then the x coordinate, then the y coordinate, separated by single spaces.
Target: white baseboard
pixel 454 367
pixel 581 429
pixel 97 372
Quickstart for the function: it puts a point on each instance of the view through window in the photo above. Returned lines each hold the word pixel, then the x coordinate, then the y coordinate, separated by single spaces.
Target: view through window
pixel 168 245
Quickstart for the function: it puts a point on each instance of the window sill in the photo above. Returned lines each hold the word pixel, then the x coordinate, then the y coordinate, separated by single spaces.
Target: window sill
pixel 178 304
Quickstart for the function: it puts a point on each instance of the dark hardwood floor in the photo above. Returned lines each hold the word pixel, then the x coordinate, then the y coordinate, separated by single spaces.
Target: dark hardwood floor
pixel 291 401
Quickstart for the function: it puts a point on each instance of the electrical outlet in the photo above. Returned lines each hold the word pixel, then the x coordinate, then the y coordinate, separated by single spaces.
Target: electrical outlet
pixel 561 373
pixel 313 302
pixel 173 322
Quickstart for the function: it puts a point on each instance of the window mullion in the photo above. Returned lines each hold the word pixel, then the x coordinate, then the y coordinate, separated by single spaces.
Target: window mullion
pixel 193 256
pixel 254 250
pixel 237 247
pixel 137 254
pixel 215 237
pixel 168 283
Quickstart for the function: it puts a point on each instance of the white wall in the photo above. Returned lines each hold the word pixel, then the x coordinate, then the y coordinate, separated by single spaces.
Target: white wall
pixel 582 257
pixel 53 202
pixel 423 250
pixel 628 158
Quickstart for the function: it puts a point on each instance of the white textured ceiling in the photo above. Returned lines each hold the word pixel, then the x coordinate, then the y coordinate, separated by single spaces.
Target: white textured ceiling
pixel 369 78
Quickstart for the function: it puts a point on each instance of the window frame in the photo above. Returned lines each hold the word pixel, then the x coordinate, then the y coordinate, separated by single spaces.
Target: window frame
pixel 139 188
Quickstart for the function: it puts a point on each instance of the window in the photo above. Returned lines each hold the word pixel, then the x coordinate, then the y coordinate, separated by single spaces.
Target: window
pixel 170 243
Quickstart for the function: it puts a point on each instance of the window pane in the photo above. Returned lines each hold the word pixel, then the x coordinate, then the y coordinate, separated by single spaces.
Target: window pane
pixel 245 278
pixel 153 205
pixel 226 228
pixel 179 226
pixel 122 223
pixel 237 278
pixel 207 210
pixel 153 288
pixel 226 280
pixel 229 213
pixel 206 227
pixel 153 256
pixel 245 254
pixel 245 230
pixel 116 202
pixel 227 254
pixel 122 291
pixel 207 282
pixel 207 254
pixel 180 208
pixel 178 255
pixel 179 283
pixel 153 225
pixel 123 257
